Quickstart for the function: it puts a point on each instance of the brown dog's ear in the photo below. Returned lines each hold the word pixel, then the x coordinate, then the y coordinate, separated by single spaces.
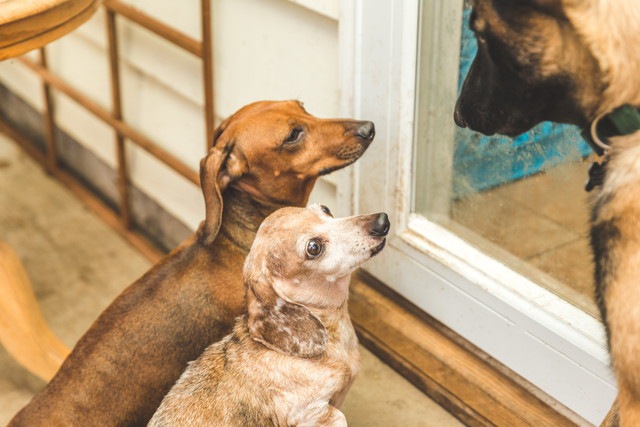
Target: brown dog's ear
pixel 217 169
pixel 283 326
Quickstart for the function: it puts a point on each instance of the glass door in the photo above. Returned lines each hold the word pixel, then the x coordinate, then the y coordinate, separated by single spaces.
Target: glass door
pixel 489 234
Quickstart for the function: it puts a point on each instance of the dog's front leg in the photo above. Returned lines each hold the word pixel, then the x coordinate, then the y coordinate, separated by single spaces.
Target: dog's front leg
pixel 338 399
pixel 321 416
pixel 611 420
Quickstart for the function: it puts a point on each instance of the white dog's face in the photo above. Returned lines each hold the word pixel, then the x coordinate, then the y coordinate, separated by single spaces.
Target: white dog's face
pixel 310 255
pixel 334 247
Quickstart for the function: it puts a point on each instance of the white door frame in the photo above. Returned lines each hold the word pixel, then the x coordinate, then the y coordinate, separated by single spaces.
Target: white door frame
pixel 551 343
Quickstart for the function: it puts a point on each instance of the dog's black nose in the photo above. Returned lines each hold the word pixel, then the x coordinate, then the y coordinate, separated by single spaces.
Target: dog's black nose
pixel 366 131
pixel 457 117
pixel 381 225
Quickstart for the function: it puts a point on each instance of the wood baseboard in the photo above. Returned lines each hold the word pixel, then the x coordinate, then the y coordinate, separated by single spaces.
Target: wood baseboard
pixel 461 378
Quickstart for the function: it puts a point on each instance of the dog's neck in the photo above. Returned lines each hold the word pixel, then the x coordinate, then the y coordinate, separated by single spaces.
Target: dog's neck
pixel 622 171
pixel 332 317
pixel 611 30
pixel 337 311
pixel 242 215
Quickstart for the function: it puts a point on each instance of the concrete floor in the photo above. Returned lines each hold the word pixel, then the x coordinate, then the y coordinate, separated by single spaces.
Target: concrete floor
pixel 77 265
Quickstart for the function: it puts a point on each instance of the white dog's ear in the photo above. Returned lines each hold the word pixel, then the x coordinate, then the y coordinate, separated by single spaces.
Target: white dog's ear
pixel 283 326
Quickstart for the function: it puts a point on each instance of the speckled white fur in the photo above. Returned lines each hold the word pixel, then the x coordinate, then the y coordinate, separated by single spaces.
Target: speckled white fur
pixel 250 377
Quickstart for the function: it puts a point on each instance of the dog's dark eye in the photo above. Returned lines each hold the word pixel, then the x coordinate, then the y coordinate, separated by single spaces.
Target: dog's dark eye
pixel 293 136
pixel 481 39
pixel 314 248
pixel 326 210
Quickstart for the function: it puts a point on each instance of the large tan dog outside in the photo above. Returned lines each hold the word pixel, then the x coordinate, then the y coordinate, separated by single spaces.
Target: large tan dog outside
pixel 266 156
pixel 578 62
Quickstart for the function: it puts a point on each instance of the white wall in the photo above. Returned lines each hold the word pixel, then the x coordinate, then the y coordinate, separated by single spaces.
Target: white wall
pixel 263 49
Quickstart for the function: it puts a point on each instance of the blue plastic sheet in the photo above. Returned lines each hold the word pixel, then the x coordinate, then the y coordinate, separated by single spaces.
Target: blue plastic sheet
pixel 482 162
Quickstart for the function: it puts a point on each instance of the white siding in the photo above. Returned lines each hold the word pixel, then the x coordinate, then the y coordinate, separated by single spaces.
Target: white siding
pixel 263 49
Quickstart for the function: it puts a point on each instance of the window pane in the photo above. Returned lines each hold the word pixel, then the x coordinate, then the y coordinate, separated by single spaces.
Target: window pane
pixel 520 200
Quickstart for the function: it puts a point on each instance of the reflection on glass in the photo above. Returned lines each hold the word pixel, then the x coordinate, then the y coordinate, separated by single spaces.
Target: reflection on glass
pixel 521 200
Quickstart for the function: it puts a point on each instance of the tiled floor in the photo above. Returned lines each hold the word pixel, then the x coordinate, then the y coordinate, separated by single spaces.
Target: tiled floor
pixel 78 265
pixel 538 225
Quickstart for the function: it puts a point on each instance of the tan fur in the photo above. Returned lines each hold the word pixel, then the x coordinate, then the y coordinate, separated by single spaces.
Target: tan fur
pixel 618 204
pixel 574 60
pixel 120 370
pixel 611 29
pixel 292 358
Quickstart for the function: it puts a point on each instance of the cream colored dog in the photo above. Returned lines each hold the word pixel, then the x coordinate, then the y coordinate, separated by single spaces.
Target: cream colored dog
pixel 293 356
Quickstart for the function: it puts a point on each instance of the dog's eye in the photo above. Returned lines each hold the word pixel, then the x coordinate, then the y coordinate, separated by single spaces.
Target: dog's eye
pixel 481 39
pixel 314 248
pixel 294 135
pixel 326 210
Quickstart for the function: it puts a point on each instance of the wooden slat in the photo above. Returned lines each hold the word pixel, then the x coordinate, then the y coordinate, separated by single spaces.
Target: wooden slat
pixel 159 28
pixel 49 119
pixel 207 71
pixel 124 129
pixel 116 111
pixel 459 379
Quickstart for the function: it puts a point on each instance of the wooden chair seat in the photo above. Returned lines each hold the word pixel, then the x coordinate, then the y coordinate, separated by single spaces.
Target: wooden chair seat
pixel 30 24
pixel 26 25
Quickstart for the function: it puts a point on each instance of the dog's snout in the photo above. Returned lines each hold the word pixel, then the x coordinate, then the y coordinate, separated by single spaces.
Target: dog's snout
pixel 366 131
pixel 457 117
pixel 381 225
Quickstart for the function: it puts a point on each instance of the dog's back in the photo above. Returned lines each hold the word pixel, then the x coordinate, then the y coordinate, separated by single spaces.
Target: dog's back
pixel 206 393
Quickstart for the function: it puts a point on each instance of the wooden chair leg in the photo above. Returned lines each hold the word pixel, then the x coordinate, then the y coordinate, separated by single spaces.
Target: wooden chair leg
pixel 23 330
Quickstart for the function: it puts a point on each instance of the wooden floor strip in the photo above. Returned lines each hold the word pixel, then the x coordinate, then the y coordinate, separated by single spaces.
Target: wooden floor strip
pixel 459 379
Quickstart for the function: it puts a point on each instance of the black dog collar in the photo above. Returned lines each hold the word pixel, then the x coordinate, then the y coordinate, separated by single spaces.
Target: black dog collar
pixel 623 120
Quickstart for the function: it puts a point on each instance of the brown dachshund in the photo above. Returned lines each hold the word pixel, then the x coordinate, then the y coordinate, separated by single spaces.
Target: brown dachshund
pixel 293 356
pixel 266 156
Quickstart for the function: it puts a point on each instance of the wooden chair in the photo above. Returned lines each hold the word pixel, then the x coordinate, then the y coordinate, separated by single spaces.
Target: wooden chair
pixel 26 25
pixel 23 330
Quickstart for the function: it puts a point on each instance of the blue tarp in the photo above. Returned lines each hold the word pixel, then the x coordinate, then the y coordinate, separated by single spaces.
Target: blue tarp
pixel 482 162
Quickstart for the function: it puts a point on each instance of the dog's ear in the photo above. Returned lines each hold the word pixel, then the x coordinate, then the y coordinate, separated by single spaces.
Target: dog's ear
pixel 283 326
pixel 222 165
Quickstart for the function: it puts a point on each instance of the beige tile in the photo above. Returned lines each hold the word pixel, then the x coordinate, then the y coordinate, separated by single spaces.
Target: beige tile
pixel 508 224
pixel 557 194
pixel 544 220
pixel 381 398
